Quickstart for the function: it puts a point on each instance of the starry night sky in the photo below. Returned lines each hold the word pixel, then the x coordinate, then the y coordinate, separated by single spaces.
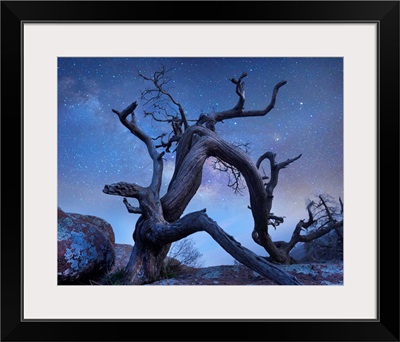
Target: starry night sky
pixel 94 148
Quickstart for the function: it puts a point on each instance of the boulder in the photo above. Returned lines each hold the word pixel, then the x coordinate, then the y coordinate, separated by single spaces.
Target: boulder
pixel 85 248
pixel 100 224
pixel 122 255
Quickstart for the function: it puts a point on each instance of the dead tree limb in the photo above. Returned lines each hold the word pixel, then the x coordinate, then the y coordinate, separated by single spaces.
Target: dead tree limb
pixel 238 111
pixel 159 81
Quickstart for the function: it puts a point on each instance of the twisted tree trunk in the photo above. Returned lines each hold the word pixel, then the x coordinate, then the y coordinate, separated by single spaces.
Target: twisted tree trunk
pixel 160 222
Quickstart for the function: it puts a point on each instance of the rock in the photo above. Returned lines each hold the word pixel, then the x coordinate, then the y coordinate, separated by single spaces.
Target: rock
pixel 122 255
pixel 328 248
pixel 85 248
pixel 101 224
pixel 308 274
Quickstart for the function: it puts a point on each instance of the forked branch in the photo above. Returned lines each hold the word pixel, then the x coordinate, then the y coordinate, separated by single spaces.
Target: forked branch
pixel 132 209
pixel 275 168
pixel 136 131
pixel 238 111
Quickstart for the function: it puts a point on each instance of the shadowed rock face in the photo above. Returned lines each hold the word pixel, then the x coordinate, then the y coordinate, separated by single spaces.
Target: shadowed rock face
pixel 85 248
pixel 122 254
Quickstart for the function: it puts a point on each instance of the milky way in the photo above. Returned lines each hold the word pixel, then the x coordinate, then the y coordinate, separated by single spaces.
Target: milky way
pixel 94 149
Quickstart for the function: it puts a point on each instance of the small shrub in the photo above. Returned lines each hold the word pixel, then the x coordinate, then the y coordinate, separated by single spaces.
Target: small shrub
pixel 182 254
pixel 185 252
pixel 114 278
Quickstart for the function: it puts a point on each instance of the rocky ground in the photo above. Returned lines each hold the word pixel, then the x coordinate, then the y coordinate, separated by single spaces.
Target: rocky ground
pixel 308 274
pixel 88 254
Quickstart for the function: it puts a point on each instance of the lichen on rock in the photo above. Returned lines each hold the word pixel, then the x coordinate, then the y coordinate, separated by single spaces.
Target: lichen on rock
pixel 85 248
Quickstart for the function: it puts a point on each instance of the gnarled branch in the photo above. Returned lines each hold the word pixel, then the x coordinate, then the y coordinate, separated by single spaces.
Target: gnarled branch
pixel 237 111
pixel 124 189
pixel 239 91
pixel 136 131
pixel 132 209
pixel 200 221
pixel 275 168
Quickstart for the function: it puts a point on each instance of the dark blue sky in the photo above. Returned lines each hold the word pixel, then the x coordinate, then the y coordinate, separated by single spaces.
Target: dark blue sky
pixel 94 149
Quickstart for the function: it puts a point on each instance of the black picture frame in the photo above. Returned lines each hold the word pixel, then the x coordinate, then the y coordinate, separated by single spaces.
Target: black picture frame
pixel 385 328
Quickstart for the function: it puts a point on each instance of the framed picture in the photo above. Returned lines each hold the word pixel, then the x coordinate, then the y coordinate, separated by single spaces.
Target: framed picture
pixel 79 73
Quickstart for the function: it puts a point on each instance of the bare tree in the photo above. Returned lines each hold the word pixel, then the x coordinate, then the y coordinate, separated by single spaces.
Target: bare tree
pixel 161 222
pixel 323 218
pixel 186 252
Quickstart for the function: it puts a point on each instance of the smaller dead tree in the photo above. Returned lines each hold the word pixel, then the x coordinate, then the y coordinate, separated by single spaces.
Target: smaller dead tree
pixel 330 245
pixel 186 252
pixel 181 255
pixel 323 217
